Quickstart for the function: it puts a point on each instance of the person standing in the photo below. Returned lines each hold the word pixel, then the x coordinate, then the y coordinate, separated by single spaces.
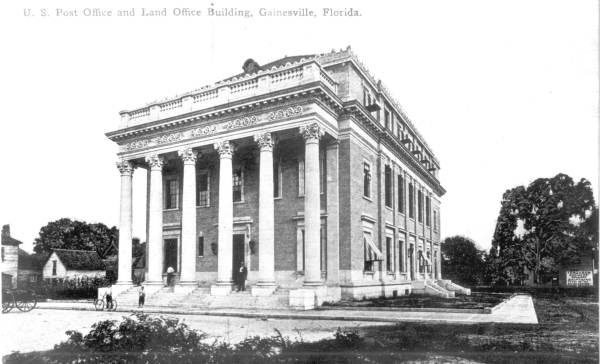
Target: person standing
pixel 109 300
pixel 242 275
pixel 141 297
pixel 170 275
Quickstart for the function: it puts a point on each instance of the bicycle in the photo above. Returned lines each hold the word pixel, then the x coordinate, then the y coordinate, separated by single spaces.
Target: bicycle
pixel 101 303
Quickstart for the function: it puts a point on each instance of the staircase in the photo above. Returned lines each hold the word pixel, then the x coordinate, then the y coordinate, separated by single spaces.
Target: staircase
pixel 430 287
pixel 200 298
pixel 447 284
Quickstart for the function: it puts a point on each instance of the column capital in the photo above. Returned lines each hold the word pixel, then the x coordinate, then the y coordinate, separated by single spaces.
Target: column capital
pixel 155 161
pixel 125 167
pixel 311 132
pixel 224 148
pixel 188 155
pixel 265 141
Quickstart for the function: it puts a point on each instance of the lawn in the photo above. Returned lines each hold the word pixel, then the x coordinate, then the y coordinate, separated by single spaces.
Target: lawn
pixel 477 300
pixel 567 333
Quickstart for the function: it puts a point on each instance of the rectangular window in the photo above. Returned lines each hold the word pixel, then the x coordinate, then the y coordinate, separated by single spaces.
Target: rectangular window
pixel 428 211
pixel 2 253
pixel 389 254
pixel 388 186
pixel 323 185
pixel 400 193
pixel 411 201
pixel 397 131
pixel 401 255
pixel 203 187
pixel 201 246
pixel 301 177
pixel 54 267
pixel 435 220
pixel 386 118
pixel 367 180
pixel 238 185
pixel 277 178
pixel 171 193
pixel 420 206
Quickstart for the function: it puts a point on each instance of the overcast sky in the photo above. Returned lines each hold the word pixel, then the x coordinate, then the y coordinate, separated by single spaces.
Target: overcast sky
pixel 503 91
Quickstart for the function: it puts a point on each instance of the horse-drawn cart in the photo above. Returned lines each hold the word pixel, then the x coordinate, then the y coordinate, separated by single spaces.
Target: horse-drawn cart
pixel 23 300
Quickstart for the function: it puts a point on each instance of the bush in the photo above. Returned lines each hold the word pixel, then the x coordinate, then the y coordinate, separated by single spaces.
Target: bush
pixel 73 288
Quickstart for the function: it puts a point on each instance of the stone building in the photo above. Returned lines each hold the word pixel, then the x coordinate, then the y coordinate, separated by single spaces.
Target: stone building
pixel 305 169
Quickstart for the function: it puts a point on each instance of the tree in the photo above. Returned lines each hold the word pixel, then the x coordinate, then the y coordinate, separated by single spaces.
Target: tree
pixel 542 227
pixel 462 261
pixel 72 234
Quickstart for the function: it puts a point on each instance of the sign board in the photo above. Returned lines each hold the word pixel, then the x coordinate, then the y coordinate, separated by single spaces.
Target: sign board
pixel 580 278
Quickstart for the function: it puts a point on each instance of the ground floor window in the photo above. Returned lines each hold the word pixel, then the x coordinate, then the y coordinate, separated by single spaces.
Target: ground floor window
pixel 372 253
pixel 390 254
pixel 401 255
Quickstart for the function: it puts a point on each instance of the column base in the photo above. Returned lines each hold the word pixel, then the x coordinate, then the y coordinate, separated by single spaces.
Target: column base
pixel 221 289
pixel 311 297
pixel 262 289
pixel 185 287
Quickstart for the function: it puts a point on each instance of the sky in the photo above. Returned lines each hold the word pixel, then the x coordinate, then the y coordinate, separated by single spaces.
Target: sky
pixel 504 92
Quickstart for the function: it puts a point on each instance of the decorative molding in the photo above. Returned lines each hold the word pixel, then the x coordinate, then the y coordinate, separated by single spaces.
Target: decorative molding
pixel 167 138
pixel 265 141
pixel 285 113
pixel 224 148
pixel 125 167
pixel 205 130
pixel 241 122
pixel 155 161
pixel 188 155
pixel 137 144
pixel 311 131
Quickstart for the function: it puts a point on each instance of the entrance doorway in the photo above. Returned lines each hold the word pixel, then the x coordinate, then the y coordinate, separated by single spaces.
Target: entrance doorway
pixel 170 259
pixel 238 252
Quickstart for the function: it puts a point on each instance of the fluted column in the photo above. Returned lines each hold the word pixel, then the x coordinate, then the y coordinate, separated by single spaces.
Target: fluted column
pixel 266 224
pixel 155 220
pixel 312 204
pixel 225 230
pixel 125 222
pixel 188 217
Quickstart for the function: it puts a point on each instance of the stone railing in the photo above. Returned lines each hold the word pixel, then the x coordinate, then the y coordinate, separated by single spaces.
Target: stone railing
pixel 231 90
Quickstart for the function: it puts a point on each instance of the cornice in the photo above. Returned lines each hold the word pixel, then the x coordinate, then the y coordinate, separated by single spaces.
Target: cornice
pixel 314 89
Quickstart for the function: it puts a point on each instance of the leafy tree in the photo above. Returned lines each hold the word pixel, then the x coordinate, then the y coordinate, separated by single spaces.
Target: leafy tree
pixel 462 261
pixel 139 249
pixel 543 226
pixel 72 234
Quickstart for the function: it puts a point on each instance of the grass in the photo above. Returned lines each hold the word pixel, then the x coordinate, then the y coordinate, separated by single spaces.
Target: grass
pixel 567 333
pixel 477 300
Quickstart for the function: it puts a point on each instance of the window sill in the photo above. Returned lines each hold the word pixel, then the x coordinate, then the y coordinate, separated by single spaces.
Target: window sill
pixel 202 207
pixel 367 198
pixel 390 208
pixel 173 209
pixel 278 198
pixel 239 202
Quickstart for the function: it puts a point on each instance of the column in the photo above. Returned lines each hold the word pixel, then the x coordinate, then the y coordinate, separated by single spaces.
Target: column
pixel 333 217
pixel 266 224
pixel 155 220
pixel 125 224
pixel 225 230
pixel 312 204
pixel 188 217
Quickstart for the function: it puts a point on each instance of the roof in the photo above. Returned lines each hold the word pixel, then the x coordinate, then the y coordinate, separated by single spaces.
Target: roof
pixel 80 259
pixel 277 63
pixel 7 240
pixel 31 261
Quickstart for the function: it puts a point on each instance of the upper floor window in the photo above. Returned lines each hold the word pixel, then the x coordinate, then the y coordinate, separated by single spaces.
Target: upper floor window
pixel 171 193
pixel 367 180
pixel 420 206
pixel 388 186
pixel 276 178
pixel 435 220
pixel 427 210
pixel 386 119
pixel 2 253
pixel 411 201
pixel 400 193
pixel 201 246
pixel 238 185
pixel 203 186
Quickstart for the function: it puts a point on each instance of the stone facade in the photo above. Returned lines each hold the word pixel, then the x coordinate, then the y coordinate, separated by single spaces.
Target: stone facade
pixel 275 160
